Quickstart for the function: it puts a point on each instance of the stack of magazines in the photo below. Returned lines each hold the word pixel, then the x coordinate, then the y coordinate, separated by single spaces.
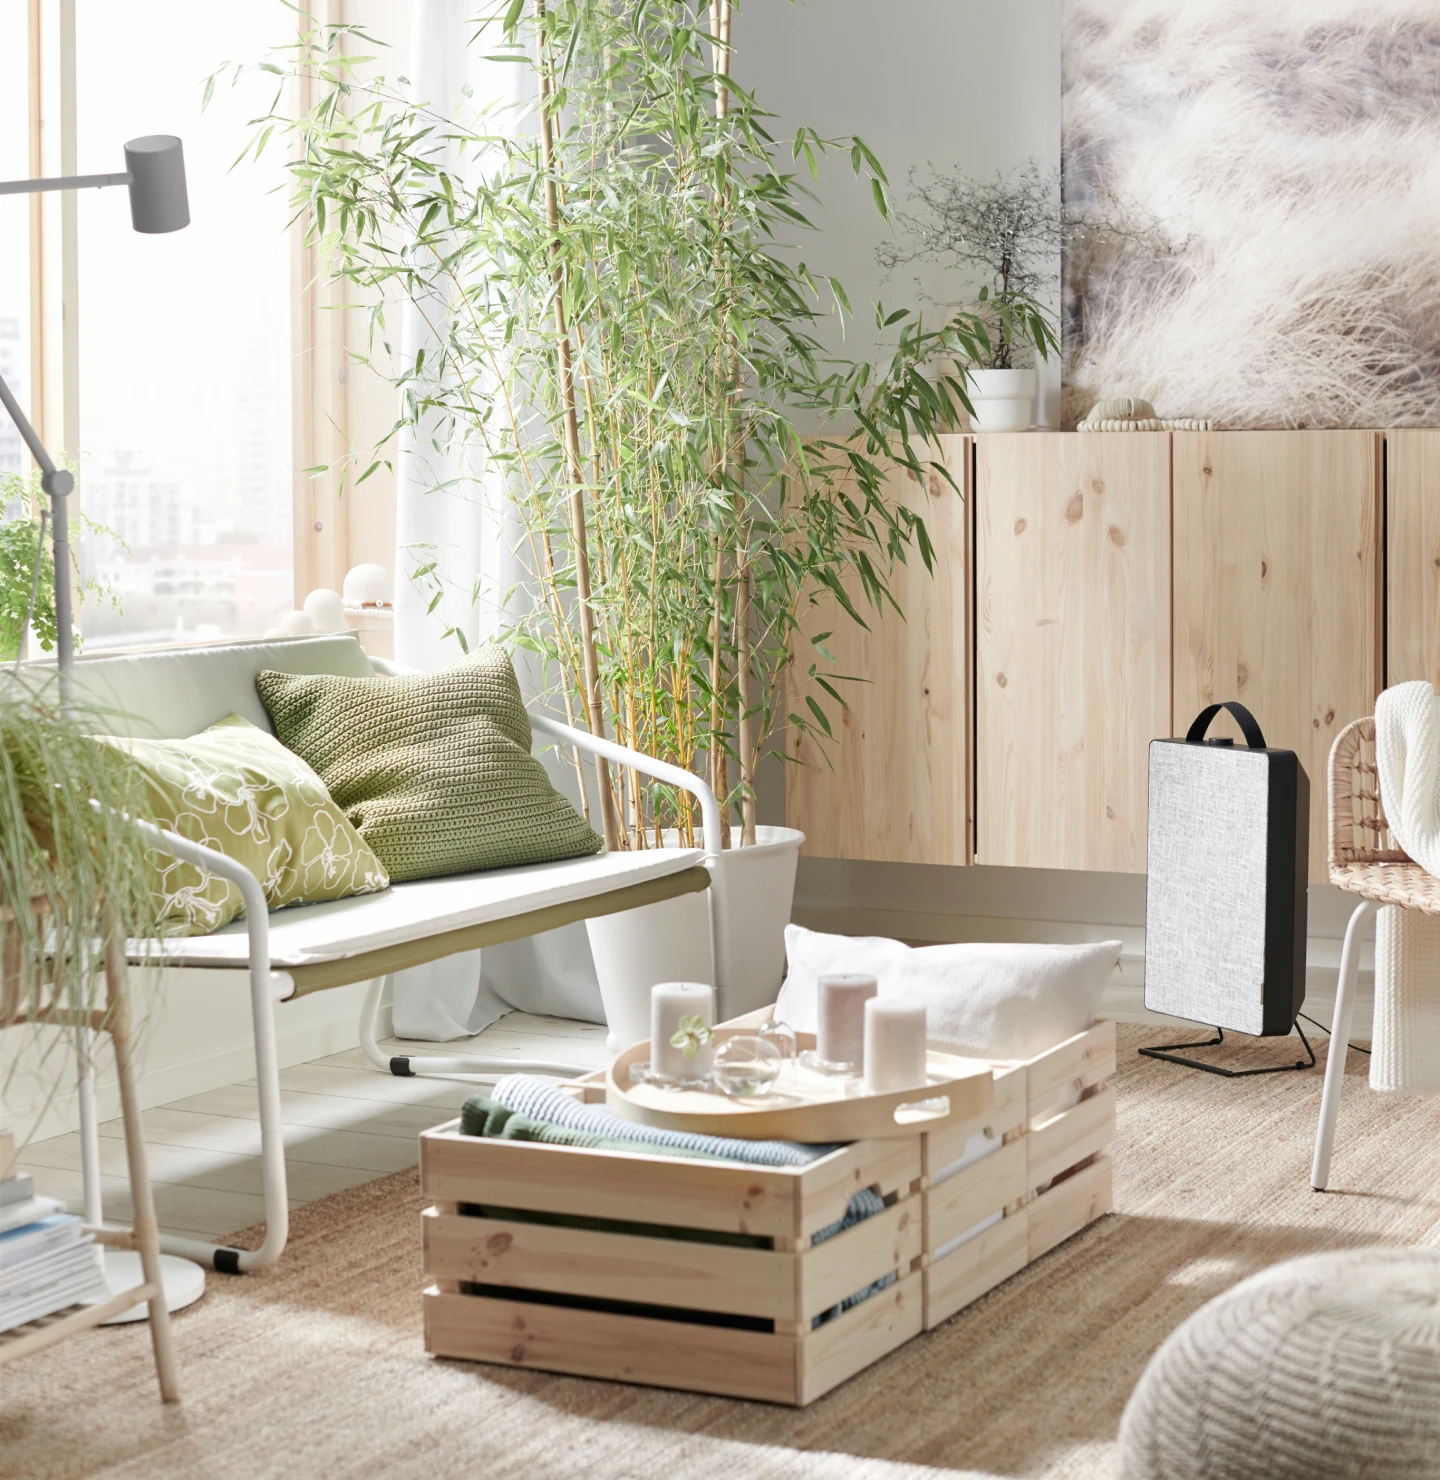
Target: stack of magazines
pixel 47 1260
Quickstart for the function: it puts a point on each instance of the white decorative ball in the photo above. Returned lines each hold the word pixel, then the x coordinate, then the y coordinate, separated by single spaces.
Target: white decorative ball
pixel 326 609
pixel 369 585
pixel 297 624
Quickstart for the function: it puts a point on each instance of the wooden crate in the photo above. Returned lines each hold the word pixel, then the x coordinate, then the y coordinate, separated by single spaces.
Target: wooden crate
pixel 1049 1140
pixel 632 1300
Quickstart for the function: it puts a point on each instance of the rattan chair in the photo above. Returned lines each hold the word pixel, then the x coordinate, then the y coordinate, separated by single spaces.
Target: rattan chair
pixel 1365 861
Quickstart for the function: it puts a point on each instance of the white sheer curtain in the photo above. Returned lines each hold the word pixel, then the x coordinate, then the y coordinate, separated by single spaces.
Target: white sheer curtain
pixel 466 528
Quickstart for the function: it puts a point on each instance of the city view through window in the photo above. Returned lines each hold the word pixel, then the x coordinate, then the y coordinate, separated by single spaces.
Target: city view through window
pixel 185 354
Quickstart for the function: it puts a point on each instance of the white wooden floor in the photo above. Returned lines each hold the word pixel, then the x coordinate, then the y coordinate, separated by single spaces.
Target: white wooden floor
pixel 346 1122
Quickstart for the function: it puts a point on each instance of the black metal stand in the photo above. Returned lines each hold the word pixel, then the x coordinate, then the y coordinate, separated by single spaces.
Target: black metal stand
pixel 1167 1053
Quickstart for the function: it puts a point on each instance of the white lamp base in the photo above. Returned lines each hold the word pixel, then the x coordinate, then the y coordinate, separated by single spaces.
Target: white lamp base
pixel 184 1282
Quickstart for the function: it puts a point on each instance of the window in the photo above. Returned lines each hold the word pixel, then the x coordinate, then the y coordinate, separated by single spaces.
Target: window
pixel 14 229
pixel 184 340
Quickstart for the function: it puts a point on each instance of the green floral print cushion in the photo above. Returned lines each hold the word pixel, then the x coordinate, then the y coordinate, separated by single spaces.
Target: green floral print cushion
pixel 236 789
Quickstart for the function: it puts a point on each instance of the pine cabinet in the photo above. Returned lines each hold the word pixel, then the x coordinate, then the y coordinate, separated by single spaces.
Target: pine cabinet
pixel 1072 662
pixel 1094 591
pixel 1412 528
pixel 1278 599
pixel 894 783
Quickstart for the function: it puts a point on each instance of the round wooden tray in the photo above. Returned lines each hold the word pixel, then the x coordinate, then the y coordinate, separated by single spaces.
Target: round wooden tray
pixel 804 1105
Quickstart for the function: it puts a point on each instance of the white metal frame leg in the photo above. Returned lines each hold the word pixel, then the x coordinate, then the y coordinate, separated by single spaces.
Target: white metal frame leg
pixel 1339 1042
pixel 264 994
pixel 89 1127
pixel 405 1066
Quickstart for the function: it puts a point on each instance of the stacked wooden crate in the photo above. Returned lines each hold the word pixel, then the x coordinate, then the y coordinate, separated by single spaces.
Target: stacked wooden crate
pixel 1056 1117
pixel 706 1276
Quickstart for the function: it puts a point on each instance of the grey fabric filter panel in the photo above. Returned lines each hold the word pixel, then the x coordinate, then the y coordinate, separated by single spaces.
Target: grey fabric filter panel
pixel 1225 904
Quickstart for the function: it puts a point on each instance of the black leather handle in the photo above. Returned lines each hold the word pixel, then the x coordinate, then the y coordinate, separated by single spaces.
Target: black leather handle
pixel 1249 726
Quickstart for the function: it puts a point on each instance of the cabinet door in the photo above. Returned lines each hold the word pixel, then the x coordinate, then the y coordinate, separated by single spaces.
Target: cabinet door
pixel 896 786
pixel 1277 589
pixel 1073 644
pixel 1412 557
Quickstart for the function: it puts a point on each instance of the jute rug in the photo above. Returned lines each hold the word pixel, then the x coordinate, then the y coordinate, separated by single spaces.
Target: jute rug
pixel 316 1368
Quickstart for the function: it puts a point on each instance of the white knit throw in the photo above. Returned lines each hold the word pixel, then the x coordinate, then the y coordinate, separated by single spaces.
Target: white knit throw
pixel 1407 751
pixel 1406 1046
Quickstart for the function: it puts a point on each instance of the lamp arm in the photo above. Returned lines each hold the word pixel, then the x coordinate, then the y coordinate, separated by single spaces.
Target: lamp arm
pixel 57 482
pixel 63 182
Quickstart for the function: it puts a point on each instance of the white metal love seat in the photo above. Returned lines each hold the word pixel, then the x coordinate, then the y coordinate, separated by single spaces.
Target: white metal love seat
pixel 172 693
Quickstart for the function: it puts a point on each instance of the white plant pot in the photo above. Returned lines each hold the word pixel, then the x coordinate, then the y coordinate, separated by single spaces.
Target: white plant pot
pixel 670 941
pixel 1004 400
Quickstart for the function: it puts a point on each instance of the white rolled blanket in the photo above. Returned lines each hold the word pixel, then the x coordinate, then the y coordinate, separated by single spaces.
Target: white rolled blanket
pixel 1406 1047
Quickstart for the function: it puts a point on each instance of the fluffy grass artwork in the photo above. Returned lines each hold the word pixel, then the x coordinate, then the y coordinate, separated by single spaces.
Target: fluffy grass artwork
pixel 1283 158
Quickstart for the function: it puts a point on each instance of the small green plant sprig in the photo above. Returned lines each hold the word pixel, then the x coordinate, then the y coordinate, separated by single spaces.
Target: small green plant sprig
pixel 693 1034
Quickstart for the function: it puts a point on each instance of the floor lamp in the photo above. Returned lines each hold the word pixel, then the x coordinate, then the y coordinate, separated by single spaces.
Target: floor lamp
pixel 155 174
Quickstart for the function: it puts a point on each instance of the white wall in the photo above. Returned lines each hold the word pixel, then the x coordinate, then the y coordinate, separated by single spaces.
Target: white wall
pixel 973 84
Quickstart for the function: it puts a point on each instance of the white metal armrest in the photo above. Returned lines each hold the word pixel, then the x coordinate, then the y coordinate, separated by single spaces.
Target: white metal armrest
pixel 647 765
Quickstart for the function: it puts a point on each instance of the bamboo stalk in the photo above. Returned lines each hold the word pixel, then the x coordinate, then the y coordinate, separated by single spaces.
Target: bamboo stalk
pixel 572 447
pixel 745 738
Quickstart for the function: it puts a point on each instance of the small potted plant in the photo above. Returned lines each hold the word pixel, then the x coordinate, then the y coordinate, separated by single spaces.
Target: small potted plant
pixel 1006 233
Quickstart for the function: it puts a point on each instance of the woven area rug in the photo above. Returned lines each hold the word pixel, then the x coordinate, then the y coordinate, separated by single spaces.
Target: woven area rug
pixel 315 1369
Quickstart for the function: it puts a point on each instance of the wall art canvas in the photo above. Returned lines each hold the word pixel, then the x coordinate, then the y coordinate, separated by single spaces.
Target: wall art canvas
pixel 1252 201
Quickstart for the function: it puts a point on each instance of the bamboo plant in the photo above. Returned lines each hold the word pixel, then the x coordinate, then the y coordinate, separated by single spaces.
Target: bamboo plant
pixel 622 330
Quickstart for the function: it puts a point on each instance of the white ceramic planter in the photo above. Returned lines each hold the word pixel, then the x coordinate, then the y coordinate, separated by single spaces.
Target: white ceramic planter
pixel 670 941
pixel 1004 400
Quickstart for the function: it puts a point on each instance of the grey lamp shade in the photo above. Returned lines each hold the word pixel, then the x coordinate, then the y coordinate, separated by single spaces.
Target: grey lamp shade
pixel 158 199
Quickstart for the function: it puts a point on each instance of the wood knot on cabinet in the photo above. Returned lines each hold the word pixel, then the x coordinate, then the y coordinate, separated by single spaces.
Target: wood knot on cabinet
pixel 1117 536
pixel 1021 525
pixel 1001 680
pixel 1075 509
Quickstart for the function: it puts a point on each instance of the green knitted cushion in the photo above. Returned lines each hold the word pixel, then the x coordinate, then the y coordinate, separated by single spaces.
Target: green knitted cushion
pixel 433 769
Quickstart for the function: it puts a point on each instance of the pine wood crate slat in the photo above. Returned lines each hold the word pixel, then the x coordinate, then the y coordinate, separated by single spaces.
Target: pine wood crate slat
pixel 1069 1206
pixel 976 1267
pixel 672 1354
pixel 1062 1147
pixel 989 1186
pixel 1008 1113
pixel 623 1348
pixel 611 1266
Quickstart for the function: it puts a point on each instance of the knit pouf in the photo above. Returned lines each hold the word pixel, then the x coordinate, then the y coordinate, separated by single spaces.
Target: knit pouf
pixel 1317 1369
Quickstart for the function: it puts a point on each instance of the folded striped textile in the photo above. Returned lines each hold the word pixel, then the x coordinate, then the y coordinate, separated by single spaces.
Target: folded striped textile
pixel 541 1100
pixel 481 1116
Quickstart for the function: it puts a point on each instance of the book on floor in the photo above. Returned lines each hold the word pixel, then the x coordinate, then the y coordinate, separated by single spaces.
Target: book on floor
pixel 33 1240
pixel 16 1189
pixel 46 1266
pixel 32 1210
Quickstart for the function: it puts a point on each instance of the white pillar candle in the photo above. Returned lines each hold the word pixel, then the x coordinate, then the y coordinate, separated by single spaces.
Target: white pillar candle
pixel 669 1002
pixel 840 1017
pixel 894 1045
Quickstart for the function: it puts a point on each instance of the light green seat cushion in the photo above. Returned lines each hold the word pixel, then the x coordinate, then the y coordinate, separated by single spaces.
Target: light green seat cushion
pixel 433 769
pixel 240 791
